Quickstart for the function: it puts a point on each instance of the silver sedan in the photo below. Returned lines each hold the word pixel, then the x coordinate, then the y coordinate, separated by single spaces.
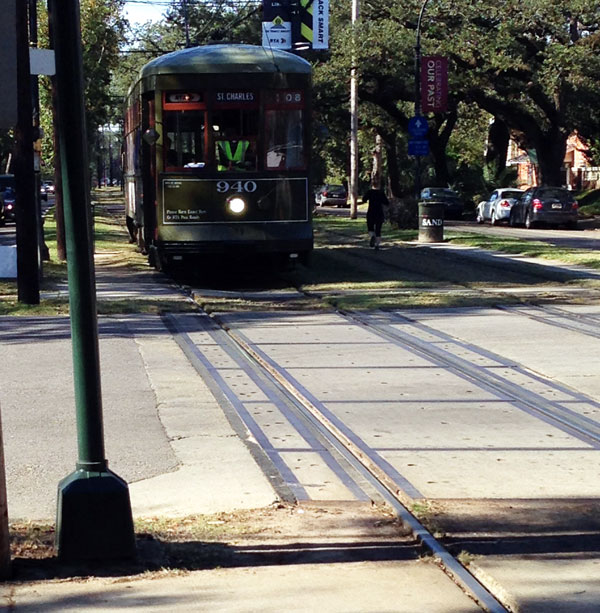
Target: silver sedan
pixel 497 207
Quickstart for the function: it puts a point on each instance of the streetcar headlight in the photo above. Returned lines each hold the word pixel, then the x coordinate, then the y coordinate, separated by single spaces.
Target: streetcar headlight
pixel 236 205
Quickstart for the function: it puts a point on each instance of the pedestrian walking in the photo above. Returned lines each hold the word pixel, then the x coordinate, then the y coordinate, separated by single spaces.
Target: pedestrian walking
pixel 375 214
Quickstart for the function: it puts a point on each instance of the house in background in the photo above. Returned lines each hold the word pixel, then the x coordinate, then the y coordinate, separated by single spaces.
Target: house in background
pixel 578 174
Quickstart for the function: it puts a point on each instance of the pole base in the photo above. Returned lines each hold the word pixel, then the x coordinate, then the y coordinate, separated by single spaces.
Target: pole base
pixel 94 520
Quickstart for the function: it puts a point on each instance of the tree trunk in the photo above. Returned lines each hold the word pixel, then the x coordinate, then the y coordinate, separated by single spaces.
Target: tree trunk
pixel 59 216
pixel 551 148
pixel 376 168
pixel 439 134
pixel 497 149
pixel 392 164
pixel 437 149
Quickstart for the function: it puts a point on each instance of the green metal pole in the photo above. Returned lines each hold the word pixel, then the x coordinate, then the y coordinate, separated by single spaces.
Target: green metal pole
pixel 94 511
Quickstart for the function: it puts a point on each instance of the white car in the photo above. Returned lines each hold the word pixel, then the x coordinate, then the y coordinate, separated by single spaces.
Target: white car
pixel 497 207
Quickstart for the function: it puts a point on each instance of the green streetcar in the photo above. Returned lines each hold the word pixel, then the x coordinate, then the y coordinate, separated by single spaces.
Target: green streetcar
pixel 216 155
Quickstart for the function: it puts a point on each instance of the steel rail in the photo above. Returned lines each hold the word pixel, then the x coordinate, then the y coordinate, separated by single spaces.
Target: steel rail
pixel 584 324
pixel 386 486
pixel 573 423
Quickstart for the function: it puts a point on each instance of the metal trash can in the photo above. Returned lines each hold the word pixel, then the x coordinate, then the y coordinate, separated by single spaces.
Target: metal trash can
pixel 431 222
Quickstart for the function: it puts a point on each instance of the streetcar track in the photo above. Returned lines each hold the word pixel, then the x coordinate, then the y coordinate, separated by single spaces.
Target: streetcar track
pixel 583 324
pixel 360 463
pixel 360 459
pixel 552 411
pixel 232 348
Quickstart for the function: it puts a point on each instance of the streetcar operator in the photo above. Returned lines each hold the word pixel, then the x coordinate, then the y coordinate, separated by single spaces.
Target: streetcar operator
pixel 233 154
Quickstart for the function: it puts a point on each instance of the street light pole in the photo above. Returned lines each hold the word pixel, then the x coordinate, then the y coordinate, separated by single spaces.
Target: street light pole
pixel 186 24
pixel 94 519
pixel 418 93
pixel 354 117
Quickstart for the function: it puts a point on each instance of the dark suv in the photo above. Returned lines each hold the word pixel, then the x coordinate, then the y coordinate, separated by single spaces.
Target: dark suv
pixel 453 203
pixel 332 195
pixel 553 206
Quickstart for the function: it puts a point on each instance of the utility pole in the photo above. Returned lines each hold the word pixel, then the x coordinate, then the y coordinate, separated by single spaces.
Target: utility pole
pixel 418 95
pixel 37 136
pixel 186 20
pixel 94 519
pixel 354 117
pixel 8 119
pixel 28 281
pixel 4 530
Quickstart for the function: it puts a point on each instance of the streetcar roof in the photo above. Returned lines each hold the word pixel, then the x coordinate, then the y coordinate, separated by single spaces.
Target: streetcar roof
pixel 225 58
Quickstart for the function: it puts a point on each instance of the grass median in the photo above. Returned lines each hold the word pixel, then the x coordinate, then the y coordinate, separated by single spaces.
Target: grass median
pixel 112 251
pixel 345 273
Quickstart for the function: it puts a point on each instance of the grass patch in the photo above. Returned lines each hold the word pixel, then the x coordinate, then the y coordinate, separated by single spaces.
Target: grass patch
pixel 589 202
pixel 414 300
pixel 111 247
pixel 533 249
pixel 46 308
pixel 153 306
pixel 357 229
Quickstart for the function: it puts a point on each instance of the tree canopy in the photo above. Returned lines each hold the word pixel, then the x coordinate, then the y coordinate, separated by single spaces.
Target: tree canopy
pixel 530 64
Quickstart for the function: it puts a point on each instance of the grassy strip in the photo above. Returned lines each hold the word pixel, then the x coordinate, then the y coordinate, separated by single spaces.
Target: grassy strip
pixel 111 244
pixel 356 229
pixel 345 273
pixel 532 249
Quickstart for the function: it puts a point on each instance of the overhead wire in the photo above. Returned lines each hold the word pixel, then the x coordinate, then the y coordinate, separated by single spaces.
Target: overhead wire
pixel 217 6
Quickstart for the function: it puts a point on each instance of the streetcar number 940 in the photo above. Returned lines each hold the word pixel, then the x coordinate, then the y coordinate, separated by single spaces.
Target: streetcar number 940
pixel 236 186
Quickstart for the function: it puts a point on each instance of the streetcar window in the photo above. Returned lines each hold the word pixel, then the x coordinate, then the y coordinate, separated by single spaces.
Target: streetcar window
pixel 284 139
pixel 234 134
pixel 184 139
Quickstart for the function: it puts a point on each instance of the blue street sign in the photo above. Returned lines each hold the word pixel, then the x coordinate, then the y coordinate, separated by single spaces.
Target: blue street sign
pixel 417 126
pixel 418 147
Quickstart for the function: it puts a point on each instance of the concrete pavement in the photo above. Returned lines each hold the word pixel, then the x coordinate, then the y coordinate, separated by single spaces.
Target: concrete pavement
pixel 182 457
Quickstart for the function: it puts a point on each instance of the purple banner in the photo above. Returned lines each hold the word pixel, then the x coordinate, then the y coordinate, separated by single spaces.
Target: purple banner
pixel 434 84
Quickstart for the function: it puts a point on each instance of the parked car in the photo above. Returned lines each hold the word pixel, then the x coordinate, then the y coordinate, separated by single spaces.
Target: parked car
pixel 332 195
pixel 7 189
pixel 497 207
pixel 2 218
pixel 453 203
pixel 553 206
pixel 10 212
pixel 46 189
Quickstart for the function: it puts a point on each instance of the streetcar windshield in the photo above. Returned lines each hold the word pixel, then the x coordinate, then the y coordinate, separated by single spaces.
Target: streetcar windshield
pixel 285 143
pixel 184 139
pixel 234 134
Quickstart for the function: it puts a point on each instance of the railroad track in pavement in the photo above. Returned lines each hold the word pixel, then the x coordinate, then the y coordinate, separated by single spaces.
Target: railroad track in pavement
pixel 287 422
pixel 237 373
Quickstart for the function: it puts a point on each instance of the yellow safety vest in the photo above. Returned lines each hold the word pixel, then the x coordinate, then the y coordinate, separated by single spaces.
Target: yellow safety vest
pixel 232 157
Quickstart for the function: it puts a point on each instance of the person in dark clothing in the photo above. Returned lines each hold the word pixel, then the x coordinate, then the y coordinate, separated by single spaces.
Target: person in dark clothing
pixel 375 214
